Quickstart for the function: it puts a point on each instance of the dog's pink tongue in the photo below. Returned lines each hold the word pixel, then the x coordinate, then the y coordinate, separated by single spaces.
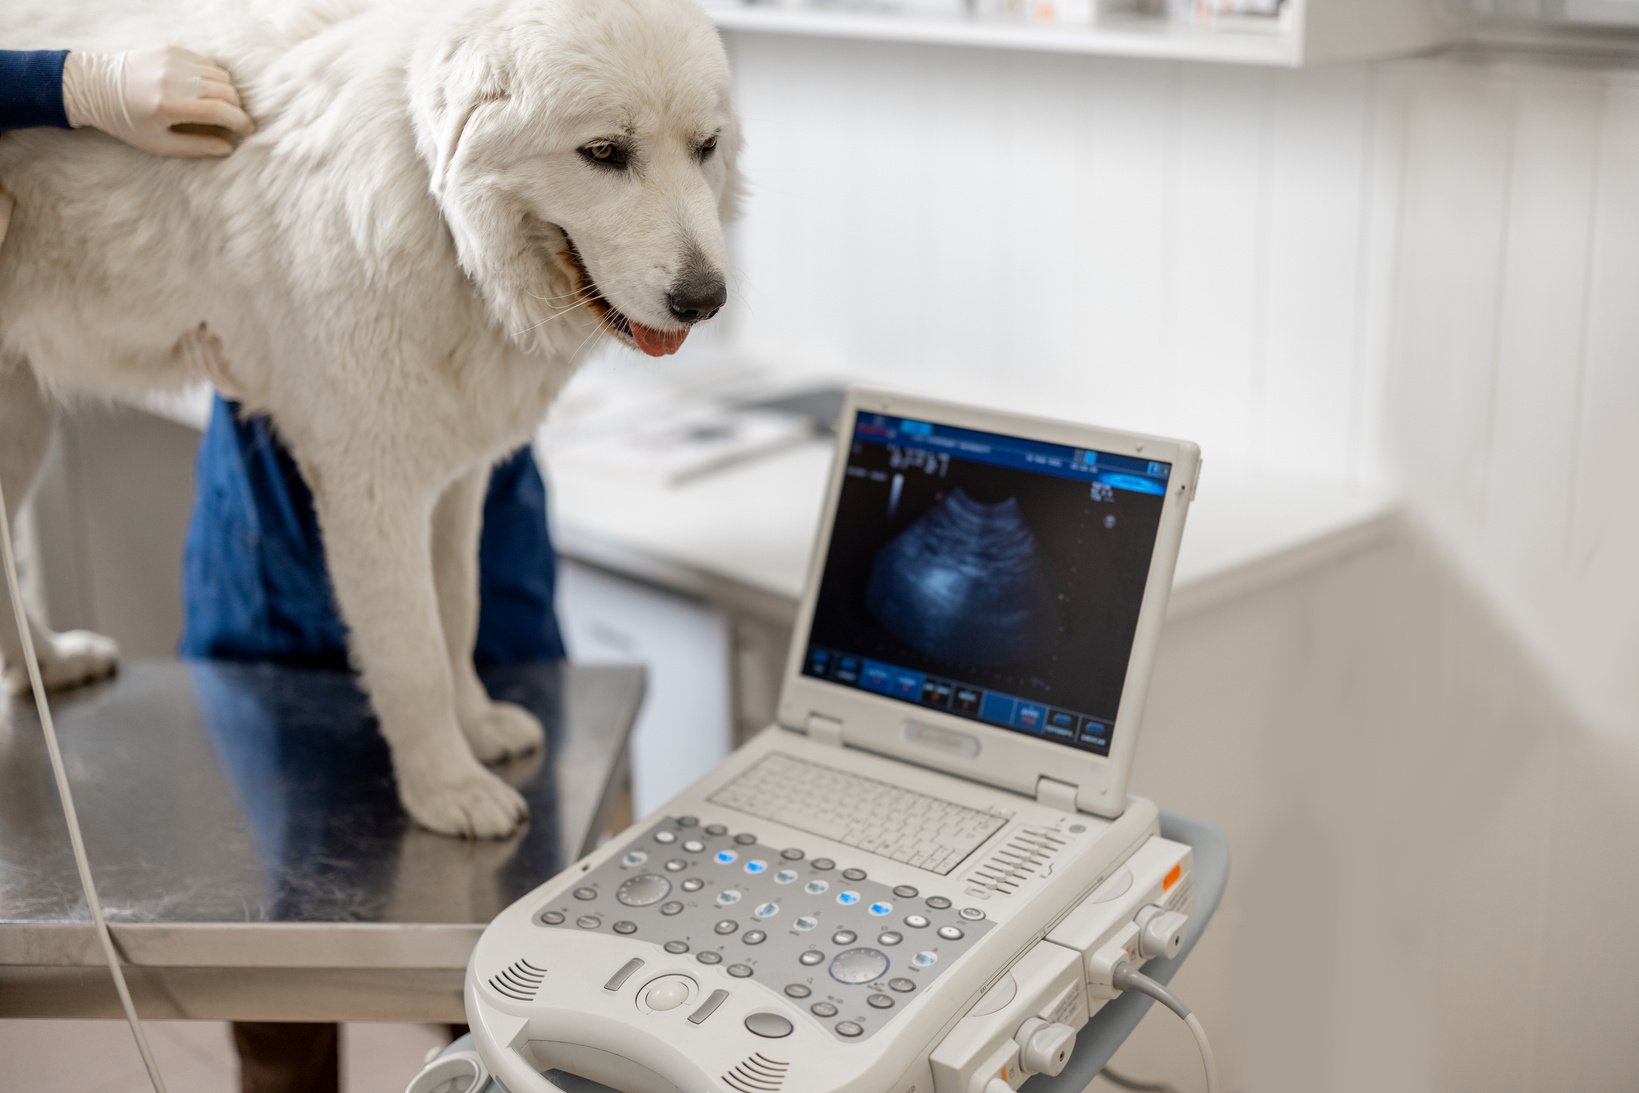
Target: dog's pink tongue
pixel 658 343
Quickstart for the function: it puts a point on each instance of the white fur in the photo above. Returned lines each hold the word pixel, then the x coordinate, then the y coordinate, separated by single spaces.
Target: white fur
pixel 385 264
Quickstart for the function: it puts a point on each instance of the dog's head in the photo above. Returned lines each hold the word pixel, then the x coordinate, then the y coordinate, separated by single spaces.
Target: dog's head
pixel 583 155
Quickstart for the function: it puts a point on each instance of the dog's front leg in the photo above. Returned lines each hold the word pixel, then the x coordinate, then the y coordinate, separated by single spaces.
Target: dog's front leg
pixel 378 542
pixel 496 730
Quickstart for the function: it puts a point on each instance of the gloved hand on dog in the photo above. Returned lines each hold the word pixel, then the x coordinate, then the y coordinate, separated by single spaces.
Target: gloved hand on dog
pixel 138 96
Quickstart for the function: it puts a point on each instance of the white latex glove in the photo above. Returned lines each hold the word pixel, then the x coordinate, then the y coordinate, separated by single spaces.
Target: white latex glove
pixel 7 203
pixel 138 96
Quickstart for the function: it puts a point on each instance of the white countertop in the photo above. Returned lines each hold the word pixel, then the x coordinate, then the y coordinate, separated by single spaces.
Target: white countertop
pixel 741 536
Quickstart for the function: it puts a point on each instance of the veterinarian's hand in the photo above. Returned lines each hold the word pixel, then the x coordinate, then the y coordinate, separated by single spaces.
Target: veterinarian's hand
pixel 139 96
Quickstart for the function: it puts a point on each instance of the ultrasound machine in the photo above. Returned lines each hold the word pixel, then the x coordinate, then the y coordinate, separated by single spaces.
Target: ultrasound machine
pixel 928 874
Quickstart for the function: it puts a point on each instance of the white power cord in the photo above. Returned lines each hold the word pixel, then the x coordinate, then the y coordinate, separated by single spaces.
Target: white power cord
pixel 32 659
pixel 1128 978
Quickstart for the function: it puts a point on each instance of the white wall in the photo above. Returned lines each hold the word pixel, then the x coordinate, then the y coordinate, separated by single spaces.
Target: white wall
pixel 1423 273
pixel 1174 247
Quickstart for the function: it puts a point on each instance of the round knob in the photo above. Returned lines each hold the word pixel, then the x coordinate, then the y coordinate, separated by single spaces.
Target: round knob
pixel 667 993
pixel 1045 1048
pixel 859 966
pixel 643 889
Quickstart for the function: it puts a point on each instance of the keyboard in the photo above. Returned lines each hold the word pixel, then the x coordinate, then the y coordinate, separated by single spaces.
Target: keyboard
pixel 878 817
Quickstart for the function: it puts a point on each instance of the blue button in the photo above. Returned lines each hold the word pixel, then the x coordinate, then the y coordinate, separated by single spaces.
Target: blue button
pixel 756 866
pixel 997 708
pixel 815 887
pixel 847 899
pixel 1028 715
pixel 880 908
pixel 726 857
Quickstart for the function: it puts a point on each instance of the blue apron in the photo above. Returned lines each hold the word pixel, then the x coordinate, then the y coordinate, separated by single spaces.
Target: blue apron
pixel 254 584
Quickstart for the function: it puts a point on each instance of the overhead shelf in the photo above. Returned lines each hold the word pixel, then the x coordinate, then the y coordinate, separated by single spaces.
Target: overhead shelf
pixel 1307 32
pixel 1123 36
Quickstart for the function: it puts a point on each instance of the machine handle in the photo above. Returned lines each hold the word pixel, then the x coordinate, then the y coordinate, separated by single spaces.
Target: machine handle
pixel 518 1075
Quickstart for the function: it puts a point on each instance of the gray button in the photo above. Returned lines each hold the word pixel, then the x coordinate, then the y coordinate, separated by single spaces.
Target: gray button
pixel 740 971
pixel 643 889
pixel 708 1007
pixel 1077 829
pixel 880 1001
pixel 675 947
pixel 890 938
pixel 797 990
pixel 916 922
pixel 589 922
pixel 665 838
pixel 625 927
pixel 972 914
pixel 812 957
pixel 939 903
pixel 902 985
pixel 791 853
pixel 951 933
pixel 770 1025
pixel 672 908
pixel 745 838
pixel 694 846
pixel 693 884
pixel 853 874
pixel 726 926
pixel 676 865
pixel 617 980
pixel 823 1009
pixel 904 891
pixel 714 830
pixel 586 893
pixel 709 957
pixel 552 918
pixel 823 864
pixel 844 937
pixel 753 937
pixel 859 965
pixel 688 821
pixel 849 1029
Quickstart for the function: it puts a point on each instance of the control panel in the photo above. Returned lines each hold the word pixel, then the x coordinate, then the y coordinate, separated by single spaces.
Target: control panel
pixel 848 949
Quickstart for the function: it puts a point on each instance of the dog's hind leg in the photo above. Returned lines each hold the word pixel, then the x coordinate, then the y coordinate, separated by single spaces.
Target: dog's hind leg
pixel 377 527
pixel 496 730
pixel 67 659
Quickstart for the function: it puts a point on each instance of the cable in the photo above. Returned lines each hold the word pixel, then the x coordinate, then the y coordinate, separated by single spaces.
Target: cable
pixel 32 660
pixel 1128 978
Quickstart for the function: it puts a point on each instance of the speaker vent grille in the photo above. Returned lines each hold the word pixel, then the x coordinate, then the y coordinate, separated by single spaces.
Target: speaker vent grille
pixel 519 982
pixel 1020 858
pixel 757 1074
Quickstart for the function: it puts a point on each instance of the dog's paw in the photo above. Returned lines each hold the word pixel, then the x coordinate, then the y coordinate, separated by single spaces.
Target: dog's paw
pixel 472 803
pixel 66 660
pixel 502 731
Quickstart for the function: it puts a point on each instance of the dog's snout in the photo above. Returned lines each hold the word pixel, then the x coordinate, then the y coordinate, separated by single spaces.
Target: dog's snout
pixel 696 297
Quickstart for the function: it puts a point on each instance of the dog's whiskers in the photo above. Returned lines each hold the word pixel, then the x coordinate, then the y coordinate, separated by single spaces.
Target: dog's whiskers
pixel 550 318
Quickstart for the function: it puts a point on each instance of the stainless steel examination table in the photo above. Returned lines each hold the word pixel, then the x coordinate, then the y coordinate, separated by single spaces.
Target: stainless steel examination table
pixel 251 853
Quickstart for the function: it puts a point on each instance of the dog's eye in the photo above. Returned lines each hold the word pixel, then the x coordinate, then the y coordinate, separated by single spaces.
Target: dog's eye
pixel 707 147
pixel 604 153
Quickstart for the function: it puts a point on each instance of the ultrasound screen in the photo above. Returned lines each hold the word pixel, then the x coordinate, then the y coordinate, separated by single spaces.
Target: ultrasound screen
pixel 986 576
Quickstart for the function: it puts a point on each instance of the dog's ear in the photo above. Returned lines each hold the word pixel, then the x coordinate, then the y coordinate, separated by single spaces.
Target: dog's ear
pixel 450 89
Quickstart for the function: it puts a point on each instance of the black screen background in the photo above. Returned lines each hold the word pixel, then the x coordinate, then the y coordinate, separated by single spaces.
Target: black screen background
pixel 1097 574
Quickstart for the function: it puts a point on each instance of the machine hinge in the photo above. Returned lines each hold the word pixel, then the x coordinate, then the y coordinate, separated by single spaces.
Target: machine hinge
pixel 825 730
pixel 1056 794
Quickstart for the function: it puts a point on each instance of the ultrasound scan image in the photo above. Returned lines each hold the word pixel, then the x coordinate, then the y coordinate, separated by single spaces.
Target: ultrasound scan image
pixel 965 584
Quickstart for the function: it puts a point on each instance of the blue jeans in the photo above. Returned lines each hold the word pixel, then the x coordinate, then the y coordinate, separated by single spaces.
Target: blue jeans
pixel 254 583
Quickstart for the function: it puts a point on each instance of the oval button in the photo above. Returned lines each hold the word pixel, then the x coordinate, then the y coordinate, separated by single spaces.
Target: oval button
pixel 768 1025
pixel 643 890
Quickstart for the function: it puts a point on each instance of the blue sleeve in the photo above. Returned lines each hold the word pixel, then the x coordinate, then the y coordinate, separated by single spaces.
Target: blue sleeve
pixel 31 89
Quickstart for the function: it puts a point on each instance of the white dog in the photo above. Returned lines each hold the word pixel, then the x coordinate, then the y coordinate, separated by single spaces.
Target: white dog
pixel 444 203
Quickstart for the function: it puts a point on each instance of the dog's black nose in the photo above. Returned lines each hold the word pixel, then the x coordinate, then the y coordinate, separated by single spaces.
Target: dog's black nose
pixel 697 297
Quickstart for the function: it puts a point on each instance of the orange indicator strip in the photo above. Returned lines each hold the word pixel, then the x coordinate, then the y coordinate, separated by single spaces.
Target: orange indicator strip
pixel 1172 877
